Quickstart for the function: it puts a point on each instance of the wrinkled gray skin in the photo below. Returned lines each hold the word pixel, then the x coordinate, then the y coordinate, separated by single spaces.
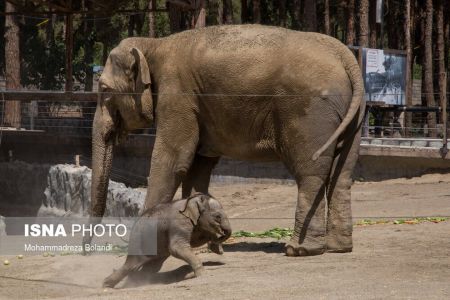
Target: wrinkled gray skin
pixel 308 115
pixel 181 225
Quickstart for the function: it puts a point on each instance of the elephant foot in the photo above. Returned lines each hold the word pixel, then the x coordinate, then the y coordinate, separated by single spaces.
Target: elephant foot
pixel 109 283
pixel 215 247
pixel 197 273
pixel 295 249
pixel 342 244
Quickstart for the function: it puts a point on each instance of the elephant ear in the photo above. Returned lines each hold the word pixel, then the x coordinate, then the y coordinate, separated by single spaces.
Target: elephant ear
pixel 142 85
pixel 194 207
pixel 142 71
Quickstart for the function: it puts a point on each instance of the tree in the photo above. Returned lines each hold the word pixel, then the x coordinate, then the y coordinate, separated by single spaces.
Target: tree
pixel 282 13
pixel 310 15
pixel 12 111
pixel 440 56
pixel 428 88
pixel 151 19
pixel 373 24
pixel 244 11
pixel 227 12
pixel 408 47
pixel 363 16
pixel 350 39
pixel 326 17
pixel 256 11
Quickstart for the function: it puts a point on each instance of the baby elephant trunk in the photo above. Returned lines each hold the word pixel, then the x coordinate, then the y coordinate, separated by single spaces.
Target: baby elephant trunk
pixel 226 228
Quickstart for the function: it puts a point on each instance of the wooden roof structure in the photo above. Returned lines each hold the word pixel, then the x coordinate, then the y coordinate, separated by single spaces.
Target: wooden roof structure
pixel 91 7
pixel 69 8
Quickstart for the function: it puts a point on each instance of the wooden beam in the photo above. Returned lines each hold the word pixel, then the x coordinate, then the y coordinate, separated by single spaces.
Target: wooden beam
pixel 26 96
pixel 81 12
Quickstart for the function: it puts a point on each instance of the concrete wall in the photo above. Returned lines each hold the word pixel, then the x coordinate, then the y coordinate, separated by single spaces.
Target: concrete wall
pixel 132 159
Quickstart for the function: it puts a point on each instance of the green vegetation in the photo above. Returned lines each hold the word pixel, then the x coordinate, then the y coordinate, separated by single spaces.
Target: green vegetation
pixel 279 233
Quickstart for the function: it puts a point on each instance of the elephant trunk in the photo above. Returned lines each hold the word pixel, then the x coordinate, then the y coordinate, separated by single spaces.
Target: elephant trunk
pixel 102 154
pixel 226 228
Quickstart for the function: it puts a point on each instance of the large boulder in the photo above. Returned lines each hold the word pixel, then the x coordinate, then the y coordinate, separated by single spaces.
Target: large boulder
pixel 69 193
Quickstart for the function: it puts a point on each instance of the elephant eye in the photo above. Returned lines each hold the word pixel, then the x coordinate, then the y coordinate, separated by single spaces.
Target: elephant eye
pixel 218 218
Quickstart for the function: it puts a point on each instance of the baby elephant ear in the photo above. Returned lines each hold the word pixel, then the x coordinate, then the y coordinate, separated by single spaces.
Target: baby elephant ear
pixel 142 71
pixel 194 207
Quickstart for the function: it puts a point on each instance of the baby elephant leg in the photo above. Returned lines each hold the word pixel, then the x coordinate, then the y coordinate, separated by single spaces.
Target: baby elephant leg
pixel 215 247
pixel 132 263
pixel 185 253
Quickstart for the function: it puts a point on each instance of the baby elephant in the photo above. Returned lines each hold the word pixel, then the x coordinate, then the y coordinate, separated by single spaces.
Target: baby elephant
pixel 181 225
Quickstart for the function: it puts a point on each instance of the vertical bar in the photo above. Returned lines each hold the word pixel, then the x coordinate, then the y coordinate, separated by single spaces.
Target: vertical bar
pixel 443 96
pixel 69 49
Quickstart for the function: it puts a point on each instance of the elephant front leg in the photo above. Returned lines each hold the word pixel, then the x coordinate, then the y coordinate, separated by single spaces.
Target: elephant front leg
pixel 185 253
pixel 172 157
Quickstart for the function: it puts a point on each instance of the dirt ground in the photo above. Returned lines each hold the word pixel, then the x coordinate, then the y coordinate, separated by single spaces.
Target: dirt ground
pixel 388 262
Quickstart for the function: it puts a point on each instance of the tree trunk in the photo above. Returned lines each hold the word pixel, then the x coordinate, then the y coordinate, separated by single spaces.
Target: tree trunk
pixel 363 16
pixel 89 41
pixel 447 39
pixel 244 11
pixel 176 18
pixel 408 47
pixel 227 12
pixel 373 24
pixel 151 19
pixel 350 39
pixel 326 17
pixel 428 67
pixel 257 11
pixel 12 115
pixel 282 13
pixel 310 15
pixel 440 56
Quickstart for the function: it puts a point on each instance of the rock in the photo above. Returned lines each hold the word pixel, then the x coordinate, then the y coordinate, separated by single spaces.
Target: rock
pixel 69 193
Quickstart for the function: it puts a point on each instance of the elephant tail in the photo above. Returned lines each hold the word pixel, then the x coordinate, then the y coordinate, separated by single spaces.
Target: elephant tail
pixel 354 73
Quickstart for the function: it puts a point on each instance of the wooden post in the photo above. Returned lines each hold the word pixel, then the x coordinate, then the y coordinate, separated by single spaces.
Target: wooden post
pixel 69 49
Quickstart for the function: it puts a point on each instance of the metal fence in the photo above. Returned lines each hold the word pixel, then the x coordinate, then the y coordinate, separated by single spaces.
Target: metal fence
pixel 73 113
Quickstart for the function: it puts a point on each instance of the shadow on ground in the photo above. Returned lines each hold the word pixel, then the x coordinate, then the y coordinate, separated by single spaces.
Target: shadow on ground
pixel 184 272
pixel 267 247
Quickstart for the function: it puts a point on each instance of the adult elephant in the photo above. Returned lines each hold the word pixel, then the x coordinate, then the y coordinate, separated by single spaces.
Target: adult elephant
pixel 248 92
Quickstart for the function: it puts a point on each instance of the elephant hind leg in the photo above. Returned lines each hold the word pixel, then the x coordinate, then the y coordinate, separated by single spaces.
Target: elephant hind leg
pixel 310 222
pixel 132 263
pixel 197 181
pixel 339 222
pixel 198 177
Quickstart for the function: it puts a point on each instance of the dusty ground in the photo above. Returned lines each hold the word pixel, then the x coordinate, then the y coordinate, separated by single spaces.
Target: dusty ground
pixel 388 261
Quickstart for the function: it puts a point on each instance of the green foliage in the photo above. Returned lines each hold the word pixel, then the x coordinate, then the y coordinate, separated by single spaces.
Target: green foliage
pixel 43 49
pixel 367 222
pixel 276 233
pixel 417 71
